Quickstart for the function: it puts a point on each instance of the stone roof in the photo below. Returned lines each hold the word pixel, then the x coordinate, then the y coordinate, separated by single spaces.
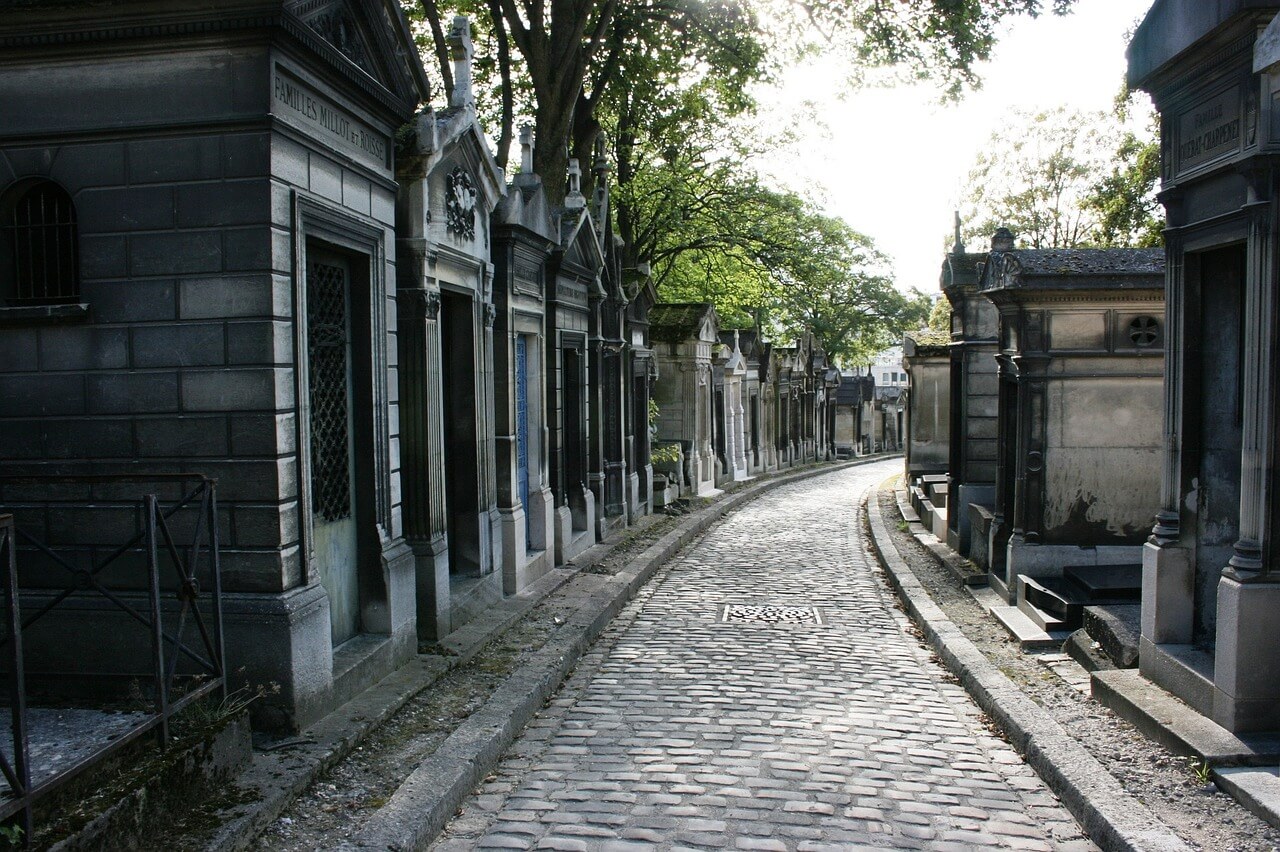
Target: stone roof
pixel 1074 269
pixel 1172 27
pixel 854 390
pixel 673 322
pixel 926 341
pixel 1122 261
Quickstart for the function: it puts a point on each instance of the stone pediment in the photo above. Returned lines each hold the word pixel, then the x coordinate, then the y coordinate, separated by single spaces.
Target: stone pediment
pixel 462 146
pixel 371 35
pixel 581 244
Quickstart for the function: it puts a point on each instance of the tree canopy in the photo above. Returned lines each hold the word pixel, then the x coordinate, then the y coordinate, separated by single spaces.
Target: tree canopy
pixel 667 84
pixel 1039 177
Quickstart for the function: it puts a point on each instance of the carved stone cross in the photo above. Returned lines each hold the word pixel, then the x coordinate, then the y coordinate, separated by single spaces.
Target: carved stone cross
pixel 461 50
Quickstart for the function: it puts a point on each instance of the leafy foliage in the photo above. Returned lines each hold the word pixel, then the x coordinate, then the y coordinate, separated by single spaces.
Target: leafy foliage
pixel 1038 177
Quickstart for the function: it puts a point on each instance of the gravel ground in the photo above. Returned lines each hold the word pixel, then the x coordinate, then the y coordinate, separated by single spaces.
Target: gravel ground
pixel 1202 816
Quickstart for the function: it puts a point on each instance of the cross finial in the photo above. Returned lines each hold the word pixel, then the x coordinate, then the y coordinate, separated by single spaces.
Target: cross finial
pixel 958 246
pixel 526 149
pixel 574 200
pixel 461 50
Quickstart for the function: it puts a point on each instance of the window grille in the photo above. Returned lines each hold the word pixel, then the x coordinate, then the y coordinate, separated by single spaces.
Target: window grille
pixel 38 222
pixel 328 332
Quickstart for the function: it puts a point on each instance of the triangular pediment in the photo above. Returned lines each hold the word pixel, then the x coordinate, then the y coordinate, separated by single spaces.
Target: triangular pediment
pixel 582 247
pixel 371 35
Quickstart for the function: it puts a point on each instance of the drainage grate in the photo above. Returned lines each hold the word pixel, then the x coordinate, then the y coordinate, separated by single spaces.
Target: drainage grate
pixel 770 614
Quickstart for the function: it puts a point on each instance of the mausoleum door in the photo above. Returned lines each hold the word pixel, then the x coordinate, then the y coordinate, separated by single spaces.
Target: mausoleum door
pixel 575 435
pixel 1219 407
pixel 522 426
pixel 462 483
pixel 330 383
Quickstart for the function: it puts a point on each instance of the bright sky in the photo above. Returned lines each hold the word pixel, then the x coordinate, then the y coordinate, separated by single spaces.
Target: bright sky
pixel 891 162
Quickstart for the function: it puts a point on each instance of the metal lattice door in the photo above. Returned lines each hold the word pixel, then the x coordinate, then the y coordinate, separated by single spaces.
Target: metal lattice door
pixel 522 427
pixel 329 386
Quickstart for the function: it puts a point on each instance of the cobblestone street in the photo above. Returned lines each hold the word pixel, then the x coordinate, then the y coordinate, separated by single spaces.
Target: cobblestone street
pixel 763 692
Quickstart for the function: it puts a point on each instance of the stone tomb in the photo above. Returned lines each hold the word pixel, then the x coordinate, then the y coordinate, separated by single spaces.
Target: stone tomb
pixel 449 185
pixel 1210 588
pixel 927 360
pixel 684 337
pixel 226 307
pixel 1080 370
pixel 974 395
pixel 574 281
pixel 523 238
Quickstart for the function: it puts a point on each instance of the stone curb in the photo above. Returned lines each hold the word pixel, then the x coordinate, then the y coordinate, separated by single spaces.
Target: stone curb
pixel 432 793
pixel 1111 817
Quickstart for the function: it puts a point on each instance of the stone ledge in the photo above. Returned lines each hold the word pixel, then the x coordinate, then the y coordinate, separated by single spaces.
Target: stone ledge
pixel 1112 818
pixel 1176 725
pixel 1256 788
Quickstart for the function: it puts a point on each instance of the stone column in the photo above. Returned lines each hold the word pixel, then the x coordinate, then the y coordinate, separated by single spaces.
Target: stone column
pixel 422 454
pixel 1247 669
pixel 1168 575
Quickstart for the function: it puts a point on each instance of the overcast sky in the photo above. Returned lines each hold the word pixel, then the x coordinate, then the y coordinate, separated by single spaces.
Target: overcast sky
pixel 891 162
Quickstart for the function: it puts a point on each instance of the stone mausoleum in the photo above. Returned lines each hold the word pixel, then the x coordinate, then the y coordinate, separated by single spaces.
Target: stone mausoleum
pixel 1210 582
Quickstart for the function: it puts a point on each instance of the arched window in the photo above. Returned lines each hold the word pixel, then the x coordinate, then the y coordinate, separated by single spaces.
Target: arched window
pixel 39 252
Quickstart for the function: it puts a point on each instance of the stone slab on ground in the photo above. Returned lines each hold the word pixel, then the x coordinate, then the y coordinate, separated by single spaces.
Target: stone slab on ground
pixel 1257 788
pixel 1116 627
pixel 966 572
pixel 1025 632
pixel 1113 818
pixel 1177 726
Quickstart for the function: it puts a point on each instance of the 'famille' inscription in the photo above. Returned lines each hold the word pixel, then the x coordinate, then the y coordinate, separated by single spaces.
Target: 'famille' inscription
pixel 315 111
pixel 1210 130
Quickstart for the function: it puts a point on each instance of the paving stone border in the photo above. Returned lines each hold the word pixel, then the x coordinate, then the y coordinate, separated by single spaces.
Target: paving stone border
pixel 1113 818
pixel 431 794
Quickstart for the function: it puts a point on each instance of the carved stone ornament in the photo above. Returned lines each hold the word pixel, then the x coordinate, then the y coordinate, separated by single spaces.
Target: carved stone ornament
pixel 490 314
pixel 1009 270
pixel 1144 331
pixel 460 204
pixel 334 23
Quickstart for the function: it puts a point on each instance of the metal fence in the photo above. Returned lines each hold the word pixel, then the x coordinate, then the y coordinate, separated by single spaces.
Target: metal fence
pixel 180 620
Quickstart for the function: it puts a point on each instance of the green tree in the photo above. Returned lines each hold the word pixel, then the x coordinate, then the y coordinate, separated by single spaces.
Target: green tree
pixel 571 52
pixel 1124 199
pixel 1035 176
pixel 1066 179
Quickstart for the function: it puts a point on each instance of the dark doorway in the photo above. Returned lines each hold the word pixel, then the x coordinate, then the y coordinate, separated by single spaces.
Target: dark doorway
pixel 522 428
pixel 341 439
pixel 1216 279
pixel 462 484
pixel 573 374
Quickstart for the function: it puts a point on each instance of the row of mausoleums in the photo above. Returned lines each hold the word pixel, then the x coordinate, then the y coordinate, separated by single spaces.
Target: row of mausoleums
pixel 1101 424
pixel 235 246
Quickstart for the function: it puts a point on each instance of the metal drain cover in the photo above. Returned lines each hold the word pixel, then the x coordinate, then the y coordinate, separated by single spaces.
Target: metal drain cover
pixel 770 614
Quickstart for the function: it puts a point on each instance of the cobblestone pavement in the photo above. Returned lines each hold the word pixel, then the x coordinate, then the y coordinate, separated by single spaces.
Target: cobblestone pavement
pixel 768 731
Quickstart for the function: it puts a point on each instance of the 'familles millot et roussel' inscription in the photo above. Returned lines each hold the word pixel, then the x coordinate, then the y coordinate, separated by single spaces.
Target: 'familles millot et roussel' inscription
pixel 1209 130
pixel 337 125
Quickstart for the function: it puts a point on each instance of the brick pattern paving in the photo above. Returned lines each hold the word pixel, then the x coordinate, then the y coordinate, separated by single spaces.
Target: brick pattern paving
pixel 681 731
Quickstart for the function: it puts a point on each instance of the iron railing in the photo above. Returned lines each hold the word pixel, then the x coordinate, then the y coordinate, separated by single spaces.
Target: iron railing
pixel 182 621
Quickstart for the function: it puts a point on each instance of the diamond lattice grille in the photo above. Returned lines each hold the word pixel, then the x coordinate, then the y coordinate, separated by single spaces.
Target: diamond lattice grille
pixel 329 383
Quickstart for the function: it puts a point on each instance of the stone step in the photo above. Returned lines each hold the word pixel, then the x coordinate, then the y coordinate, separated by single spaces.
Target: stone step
pixel 1177 726
pixel 1117 628
pixel 1027 633
pixel 1107 582
pixel 1257 788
